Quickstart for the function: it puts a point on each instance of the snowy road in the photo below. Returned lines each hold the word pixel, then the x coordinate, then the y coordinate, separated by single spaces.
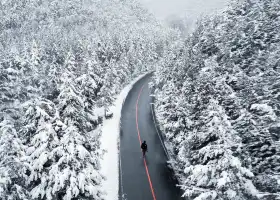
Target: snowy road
pixel 150 178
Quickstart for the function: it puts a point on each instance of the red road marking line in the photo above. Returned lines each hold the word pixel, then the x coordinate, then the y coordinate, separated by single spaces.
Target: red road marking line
pixel 146 167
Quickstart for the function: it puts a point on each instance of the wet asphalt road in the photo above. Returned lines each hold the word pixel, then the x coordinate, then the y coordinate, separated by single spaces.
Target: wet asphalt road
pixel 134 174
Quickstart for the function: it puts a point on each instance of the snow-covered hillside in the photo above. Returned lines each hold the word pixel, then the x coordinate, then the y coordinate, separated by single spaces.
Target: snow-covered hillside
pixel 61 61
pixel 218 102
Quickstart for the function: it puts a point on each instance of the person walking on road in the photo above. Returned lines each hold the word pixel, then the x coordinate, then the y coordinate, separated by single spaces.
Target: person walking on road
pixel 144 148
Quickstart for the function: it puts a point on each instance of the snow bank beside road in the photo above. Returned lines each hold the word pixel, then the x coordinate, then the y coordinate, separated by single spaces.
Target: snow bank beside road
pixel 109 143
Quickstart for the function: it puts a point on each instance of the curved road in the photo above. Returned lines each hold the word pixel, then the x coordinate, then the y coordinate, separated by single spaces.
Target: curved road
pixel 149 178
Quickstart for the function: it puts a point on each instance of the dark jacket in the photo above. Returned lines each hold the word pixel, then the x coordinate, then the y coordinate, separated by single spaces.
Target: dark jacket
pixel 144 146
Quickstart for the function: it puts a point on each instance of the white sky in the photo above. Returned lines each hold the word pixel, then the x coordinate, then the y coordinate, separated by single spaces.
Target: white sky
pixel 191 8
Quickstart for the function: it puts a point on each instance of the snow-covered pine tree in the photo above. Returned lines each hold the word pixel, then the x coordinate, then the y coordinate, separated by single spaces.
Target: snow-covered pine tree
pixel 40 139
pixel 61 144
pixel 106 79
pixel 12 174
pixel 77 154
pixel 212 169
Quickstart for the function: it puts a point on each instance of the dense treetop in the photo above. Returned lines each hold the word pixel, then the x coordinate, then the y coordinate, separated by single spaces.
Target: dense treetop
pixel 218 103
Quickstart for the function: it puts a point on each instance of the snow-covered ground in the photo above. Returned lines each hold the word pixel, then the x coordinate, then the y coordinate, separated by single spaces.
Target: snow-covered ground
pixel 110 143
